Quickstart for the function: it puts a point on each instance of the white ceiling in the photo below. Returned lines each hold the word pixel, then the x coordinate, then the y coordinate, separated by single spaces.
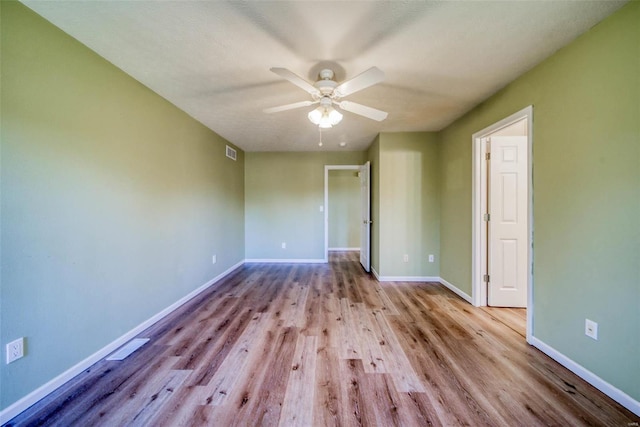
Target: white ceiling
pixel 212 59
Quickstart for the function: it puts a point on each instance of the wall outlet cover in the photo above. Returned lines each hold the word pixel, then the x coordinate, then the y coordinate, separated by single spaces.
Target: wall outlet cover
pixel 15 350
pixel 591 329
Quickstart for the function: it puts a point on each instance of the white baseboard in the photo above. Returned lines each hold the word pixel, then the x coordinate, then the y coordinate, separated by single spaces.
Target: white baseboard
pixel 344 249
pixel 375 273
pixel 455 290
pixel 616 394
pixel 30 399
pixel 408 278
pixel 287 261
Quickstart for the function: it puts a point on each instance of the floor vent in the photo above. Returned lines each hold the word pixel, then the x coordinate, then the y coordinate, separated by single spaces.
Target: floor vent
pixel 231 153
pixel 128 348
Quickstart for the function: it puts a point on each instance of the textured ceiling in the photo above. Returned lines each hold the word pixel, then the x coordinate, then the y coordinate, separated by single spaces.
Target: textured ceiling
pixel 212 59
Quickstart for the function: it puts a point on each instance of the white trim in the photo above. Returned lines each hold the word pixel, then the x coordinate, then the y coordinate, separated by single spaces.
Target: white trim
pixel 616 394
pixel 455 290
pixel 285 261
pixel 343 249
pixel 327 168
pixel 375 274
pixel 30 399
pixel 478 290
pixel 408 278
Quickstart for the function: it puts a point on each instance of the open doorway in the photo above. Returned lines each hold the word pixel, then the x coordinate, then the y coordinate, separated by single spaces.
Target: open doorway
pixel 347 222
pixel 503 219
pixel 343 210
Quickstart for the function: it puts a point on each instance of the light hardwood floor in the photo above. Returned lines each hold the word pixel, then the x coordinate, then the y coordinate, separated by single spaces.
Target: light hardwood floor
pixel 514 318
pixel 324 345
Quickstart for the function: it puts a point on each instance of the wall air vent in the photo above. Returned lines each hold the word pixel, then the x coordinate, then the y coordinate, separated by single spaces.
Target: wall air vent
pixel 231 153
pixel 128 348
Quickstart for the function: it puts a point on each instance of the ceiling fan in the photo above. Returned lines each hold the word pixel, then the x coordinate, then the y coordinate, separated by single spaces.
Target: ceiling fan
pixel 327 92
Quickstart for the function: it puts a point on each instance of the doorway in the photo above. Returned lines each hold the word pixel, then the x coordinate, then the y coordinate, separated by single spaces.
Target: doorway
pixel 360 198
pixel 503 215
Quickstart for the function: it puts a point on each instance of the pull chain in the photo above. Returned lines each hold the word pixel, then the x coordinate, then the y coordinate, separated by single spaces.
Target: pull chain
pixel 320 130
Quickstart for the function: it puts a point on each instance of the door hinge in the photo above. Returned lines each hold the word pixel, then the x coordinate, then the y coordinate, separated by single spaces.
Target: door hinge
pixel 486 278
pixel 487 217
pixel 487 156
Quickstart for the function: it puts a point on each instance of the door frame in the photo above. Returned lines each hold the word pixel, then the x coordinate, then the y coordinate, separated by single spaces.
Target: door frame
pixel 327 168
pixel 479 190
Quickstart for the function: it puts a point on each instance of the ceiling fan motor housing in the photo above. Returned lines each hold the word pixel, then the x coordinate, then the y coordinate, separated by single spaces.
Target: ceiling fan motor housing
pixel 326 84
pixel 326 74
pixel 325 101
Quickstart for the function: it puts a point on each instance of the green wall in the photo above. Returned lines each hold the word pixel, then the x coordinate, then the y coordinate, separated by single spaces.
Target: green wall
pixel 407 204
pixel 113 202
pixel 345 209
pixel 586 195
pixel 283 196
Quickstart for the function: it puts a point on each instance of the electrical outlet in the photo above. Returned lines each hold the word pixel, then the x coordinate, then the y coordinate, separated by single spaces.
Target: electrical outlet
pixel 321 208
pixel 284 245
pixel 405 258
pixel 431 258
pixel 214 259
pixel 15 350
pixel 591 329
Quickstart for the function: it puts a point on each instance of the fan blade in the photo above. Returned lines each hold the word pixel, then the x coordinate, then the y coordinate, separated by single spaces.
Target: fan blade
pixel 288 107
pixel 362 81
pixel 363 110
pixel 296 80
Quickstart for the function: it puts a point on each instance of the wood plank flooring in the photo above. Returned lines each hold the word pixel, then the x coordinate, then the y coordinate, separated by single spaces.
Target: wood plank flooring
pixel 514 318
pixel 327 345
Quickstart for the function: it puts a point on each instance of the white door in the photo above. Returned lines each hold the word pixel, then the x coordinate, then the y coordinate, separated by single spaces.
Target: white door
pixel 508 221
pixel 365 226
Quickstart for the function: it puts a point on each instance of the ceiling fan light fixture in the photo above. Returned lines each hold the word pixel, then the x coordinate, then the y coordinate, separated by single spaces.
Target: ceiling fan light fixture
pixel 315 115
pixel 334 116
pixel 325 117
